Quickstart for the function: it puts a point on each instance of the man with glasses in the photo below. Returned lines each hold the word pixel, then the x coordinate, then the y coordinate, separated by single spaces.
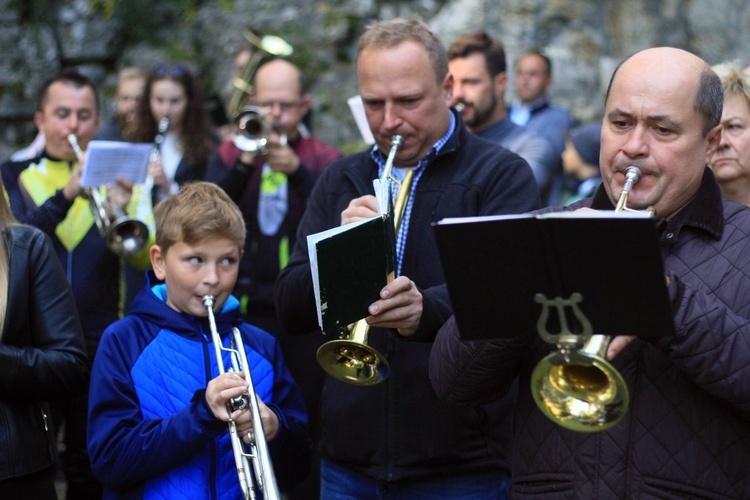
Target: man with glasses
pixel 271 188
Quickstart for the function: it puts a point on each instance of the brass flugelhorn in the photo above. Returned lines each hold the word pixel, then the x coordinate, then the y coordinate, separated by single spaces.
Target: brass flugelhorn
pixel 349 358
pixel 124 235
pixel 261 48
pixel 253 461
pixel 575 386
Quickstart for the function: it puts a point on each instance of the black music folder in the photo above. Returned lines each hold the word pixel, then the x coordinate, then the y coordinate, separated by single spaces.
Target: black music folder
pixel 350 265
pixel 495 268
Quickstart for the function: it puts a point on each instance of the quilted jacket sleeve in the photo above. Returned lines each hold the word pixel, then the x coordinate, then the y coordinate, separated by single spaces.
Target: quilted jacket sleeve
pixel 712 345
pixel 473 372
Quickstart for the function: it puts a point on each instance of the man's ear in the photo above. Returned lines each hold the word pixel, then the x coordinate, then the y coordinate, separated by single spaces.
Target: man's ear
pixel 157 261
pixel 306 102
pixel 501 84
pixel 39 120
pixel 713 140
pixel 448 88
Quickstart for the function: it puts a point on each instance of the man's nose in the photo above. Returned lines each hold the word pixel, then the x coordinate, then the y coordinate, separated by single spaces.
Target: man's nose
pixel 391 117
pixel 636 144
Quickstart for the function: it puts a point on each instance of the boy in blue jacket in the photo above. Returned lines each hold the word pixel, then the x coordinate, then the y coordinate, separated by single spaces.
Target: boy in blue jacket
pixel 158 408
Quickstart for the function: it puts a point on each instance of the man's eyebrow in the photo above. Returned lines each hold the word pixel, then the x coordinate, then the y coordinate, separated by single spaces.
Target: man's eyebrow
pixel 665 119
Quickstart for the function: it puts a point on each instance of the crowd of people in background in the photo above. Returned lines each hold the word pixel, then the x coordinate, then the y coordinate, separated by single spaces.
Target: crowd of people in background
pixel 231 212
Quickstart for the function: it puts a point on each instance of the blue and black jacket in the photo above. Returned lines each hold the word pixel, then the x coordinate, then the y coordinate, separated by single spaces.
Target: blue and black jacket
pixel 151 433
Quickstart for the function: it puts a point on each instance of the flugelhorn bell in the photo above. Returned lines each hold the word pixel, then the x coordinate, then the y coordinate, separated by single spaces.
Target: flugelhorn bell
pixel 575 386
pixel 350 359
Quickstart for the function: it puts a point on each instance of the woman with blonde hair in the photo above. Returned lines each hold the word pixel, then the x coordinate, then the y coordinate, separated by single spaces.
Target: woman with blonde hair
pixel 731 162
pixel 42 356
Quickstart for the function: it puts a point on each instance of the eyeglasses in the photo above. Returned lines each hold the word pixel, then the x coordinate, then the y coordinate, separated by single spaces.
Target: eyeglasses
pixel 283 105
pixel 171 70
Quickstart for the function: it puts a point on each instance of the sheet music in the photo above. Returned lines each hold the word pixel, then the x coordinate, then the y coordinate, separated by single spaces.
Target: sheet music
pixel 107 160
pixel 358 111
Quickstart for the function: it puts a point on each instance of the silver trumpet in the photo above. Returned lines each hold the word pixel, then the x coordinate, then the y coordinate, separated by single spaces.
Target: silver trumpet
pixel 253 131
pixel 124 235
pixel 254 467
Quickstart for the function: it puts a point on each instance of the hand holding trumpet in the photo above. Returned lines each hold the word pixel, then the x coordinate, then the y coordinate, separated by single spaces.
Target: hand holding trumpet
pixel 229 386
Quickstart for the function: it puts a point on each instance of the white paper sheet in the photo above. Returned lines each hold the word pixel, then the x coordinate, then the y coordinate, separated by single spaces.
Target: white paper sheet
pixel 107 160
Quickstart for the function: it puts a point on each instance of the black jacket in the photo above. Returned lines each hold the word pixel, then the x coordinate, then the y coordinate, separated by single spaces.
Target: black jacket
pixel 42 354
pixel 398 429
pixel 687 431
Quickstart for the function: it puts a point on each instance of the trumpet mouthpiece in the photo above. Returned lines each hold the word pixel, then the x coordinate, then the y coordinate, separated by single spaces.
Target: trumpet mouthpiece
pixel 632 173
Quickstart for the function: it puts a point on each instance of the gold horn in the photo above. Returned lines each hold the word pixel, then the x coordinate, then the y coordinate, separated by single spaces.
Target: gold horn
pixel 124 235
pixel 261 48
pixel 350 359
pixel 253 461
pixel 575 386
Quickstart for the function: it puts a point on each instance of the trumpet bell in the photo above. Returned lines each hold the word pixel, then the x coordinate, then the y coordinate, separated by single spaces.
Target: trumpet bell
pixel 353 362
pixel 127 236
pixel 583 393
pixel 252 130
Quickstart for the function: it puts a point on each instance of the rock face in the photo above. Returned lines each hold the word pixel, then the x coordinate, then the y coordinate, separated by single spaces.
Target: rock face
pixel 584 38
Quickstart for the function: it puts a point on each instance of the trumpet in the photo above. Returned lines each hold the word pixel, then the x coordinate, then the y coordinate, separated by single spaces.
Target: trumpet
pixel 124 235
pixel 254 466
pixel 350 359
pixel 575 386
pixel 253 131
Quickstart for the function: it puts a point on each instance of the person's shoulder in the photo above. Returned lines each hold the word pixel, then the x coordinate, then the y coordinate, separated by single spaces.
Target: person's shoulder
pixel 557 112
pixel 318 144
pixel 27 236
pixel 17 166
pixel 736 214
pixel 258 335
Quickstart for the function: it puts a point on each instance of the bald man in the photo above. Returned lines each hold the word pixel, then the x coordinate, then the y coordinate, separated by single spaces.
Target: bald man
pixel 687 432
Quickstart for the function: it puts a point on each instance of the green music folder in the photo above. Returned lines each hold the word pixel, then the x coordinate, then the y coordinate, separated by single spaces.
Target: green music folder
pixel 350 265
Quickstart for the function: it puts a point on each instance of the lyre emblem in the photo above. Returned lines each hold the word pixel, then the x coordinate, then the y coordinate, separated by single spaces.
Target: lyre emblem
pixel 565 335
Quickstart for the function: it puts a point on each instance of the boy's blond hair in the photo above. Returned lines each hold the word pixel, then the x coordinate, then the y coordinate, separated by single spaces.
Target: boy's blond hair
pixel 200 210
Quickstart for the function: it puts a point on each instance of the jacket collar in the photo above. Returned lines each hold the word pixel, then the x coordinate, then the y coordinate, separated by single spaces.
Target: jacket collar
pixel 704 212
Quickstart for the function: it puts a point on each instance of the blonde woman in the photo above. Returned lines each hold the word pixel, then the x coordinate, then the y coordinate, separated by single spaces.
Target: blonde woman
pixel 42 357
pixel 731 162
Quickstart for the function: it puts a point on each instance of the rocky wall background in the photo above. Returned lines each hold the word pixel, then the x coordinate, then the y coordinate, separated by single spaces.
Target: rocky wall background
pixel 584 38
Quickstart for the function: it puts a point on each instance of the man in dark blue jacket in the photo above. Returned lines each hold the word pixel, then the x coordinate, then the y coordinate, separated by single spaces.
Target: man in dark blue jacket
pixel 396 436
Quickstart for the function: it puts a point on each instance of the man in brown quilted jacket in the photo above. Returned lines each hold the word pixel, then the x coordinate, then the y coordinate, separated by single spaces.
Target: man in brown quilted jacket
pixel 687 431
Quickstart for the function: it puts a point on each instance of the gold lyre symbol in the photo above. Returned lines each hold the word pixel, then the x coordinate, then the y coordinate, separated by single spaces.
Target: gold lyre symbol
pixel 565 335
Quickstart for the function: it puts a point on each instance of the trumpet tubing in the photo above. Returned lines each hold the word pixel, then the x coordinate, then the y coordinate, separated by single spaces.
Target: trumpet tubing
pixel 253 462
pixel 124 235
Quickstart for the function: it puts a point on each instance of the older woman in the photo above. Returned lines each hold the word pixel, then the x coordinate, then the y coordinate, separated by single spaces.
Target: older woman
pixel 731 162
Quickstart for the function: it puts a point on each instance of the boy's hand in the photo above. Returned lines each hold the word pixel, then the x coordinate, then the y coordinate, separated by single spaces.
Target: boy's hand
pixel 228 386
pixel 221 389
pixel 244 422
